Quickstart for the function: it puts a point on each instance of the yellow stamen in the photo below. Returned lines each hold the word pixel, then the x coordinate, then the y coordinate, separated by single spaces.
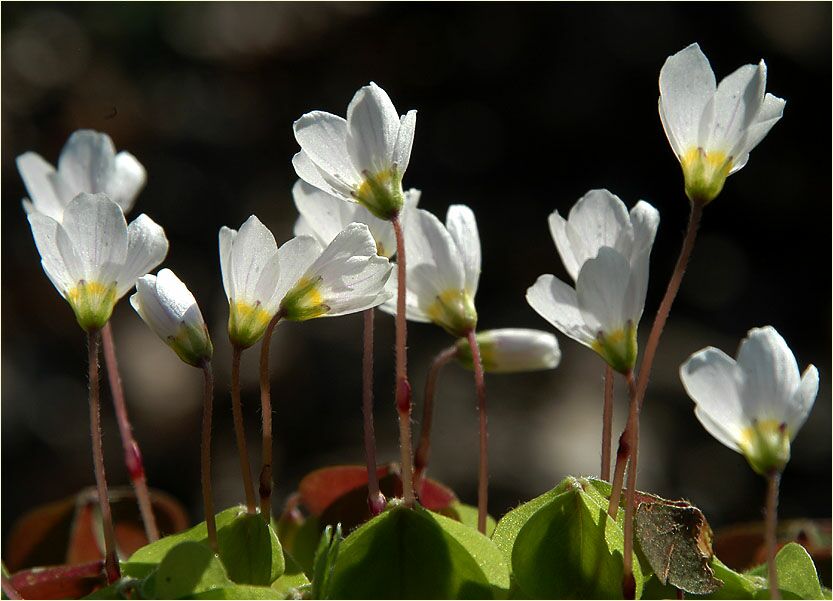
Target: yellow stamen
pixel 453 309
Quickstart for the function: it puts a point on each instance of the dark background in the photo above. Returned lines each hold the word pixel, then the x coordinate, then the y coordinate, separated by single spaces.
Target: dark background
pixel 522 109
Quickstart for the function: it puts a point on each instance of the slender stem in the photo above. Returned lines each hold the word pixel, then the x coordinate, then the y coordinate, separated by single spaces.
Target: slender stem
pixel 205 455
pixel 656 331
pixel 607 422
pixel 403 386
pixel 423 452
pixel 132 454
pixel 110 558
pixel 623 452
pixel 483 472
pixel 774 482
pixel 266 411
pixel 629 584
pixel 375 499
pixel 240 431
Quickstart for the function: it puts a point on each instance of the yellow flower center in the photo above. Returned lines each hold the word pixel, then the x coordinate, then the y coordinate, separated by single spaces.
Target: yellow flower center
pixel 93 303
pixel 705 173
pixel 381 193
pixel 618 348
pixel 247 322
pixel 304 301
pixel 453 310
pixel 766 445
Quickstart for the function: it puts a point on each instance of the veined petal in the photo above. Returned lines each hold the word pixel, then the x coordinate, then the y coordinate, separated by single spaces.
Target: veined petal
pixel 323 138
pixel 253 249
pixel 404 142
pixel 599 219
pixel 558 230
pixel 87 161
pixel 462 226
pixel 372 130
pixel 712 379
pixel 770 375
pixel 413 312
pixel 359 291
pixel 295 257
pixel 736 102
pixel 96 230
pixel 147 246
pixel 802 403
pixel 686 85
pixel 427 242
pixel 771 111
pixel 45 232
pixel 35 172
pixel 227 236
pixel 126 181
pixel 512 350
pixel 556 302
pixel 310 173
pixel 644 221
pixel 602 292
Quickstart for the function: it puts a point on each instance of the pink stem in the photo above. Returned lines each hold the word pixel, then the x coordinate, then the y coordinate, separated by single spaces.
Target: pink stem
pixel 205 455
pixel 483 471
pixel 375 499
pixel 423 452
pixel 607 422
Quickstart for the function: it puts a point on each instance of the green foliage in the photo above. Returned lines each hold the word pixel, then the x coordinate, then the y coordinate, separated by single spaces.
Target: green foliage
pixel 324 562
pixel 188 568
pixel 250 551
pixel 467 515
pixel 414 553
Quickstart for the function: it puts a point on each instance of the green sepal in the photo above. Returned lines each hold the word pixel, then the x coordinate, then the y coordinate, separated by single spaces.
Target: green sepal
pixel 381 193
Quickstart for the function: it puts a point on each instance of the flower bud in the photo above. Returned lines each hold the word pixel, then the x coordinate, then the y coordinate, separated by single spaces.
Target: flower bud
pixel 512 351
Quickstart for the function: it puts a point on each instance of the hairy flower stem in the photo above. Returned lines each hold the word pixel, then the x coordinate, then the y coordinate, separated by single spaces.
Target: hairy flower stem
pixel 423 452
pixel 375 499
pixel 629 584
pixel 403 386
pixel 132 454
pixel 625 445
pixel 654 336
pixel 607 422
pixel 265 487
pixel 483 471
pixel 240 431
pixel 205 455
pixel 773 482
pixel 110 558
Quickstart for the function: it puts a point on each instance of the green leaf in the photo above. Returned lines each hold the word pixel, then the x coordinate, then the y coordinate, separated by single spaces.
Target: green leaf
pixel 250 550
pixel 570 548
pixel 467 515
pixel 325 559
pixel 240 591
pixel 826 593
pixel 145 560
pixel 188 568
pixel 413 553
pixel 510 524
pixel 797 576
pixel 292 578
pixel 302 543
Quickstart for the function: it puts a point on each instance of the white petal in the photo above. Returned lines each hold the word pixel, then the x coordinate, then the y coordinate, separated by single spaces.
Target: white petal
pixel 295 258
pixel 361 290
pixel 97 232
pixel 770 113
pixel 126 181
pixel 45 232
pixel 686 85
pixel 35 173
pixel 462 226
pixel 87 161
pixel 556 302
pixel 770 372
pixel 603 294
pixel 372 129
pixel 558 230
pixel 413 312
pixel 518 350
pixel 597 220
pixel 324 213
pixel 737 101
pixel 147 246
pixel 254 249
pixel 427 242
pixel 803 400
pixel 712 378
pixel 323 138
pixel 147 304
pixel 310 173
pixel 404 142
pixel 227 236
pixel 644 221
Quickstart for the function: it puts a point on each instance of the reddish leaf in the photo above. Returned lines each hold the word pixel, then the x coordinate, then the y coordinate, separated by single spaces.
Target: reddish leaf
pixel 321 488
pixel 60 582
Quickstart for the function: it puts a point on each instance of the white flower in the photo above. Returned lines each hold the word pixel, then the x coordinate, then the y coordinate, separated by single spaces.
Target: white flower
pixel 607 252
pixel 754 405
pixel 300 279
pixel 170 310
pixel 512 350
pixel 361 159
pixel 88 163
pixel 93 257
pixel 443 264
pixel 324 216
pixel 713 128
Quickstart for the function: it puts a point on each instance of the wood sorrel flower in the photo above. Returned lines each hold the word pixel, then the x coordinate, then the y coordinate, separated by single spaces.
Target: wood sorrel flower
pixel 756 404
pixel 324 216
pixel 443 270
pixel 607 252
pixel 713 128
pixel 512 350
pixel 88 163
pixel 170 310
pixel 361 159
pixel 93 257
